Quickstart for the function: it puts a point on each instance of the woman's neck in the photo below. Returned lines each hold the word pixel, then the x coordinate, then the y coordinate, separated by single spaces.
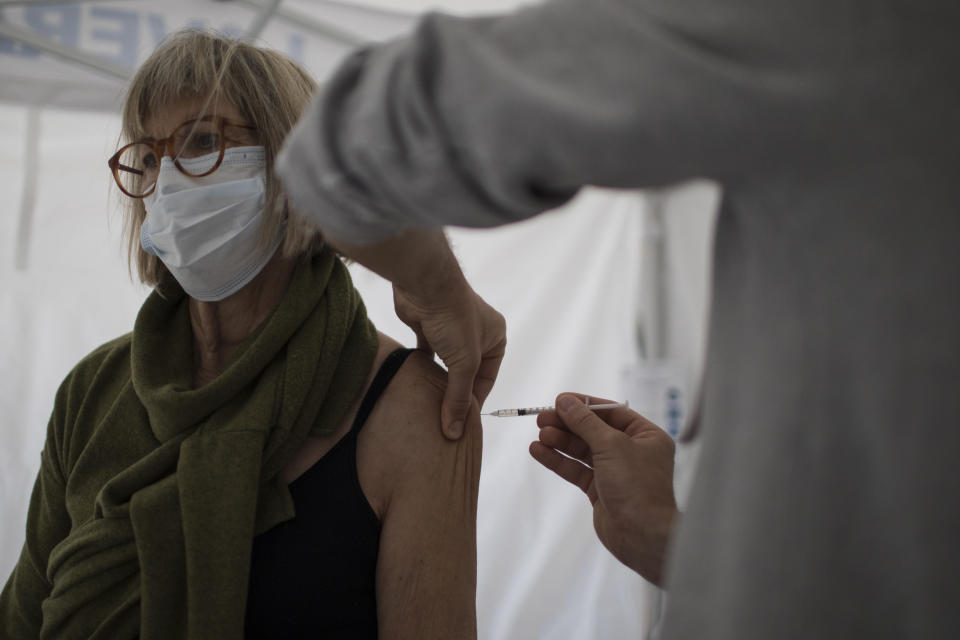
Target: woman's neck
pixel 219 327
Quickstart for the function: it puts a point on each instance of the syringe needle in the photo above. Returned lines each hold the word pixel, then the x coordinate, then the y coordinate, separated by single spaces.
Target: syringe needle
pixel 532 411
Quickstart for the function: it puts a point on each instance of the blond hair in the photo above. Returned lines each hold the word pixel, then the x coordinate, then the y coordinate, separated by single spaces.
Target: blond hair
pixel 270 90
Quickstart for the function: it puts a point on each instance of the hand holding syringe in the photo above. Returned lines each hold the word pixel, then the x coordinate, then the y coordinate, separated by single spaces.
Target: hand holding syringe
pixel 532 411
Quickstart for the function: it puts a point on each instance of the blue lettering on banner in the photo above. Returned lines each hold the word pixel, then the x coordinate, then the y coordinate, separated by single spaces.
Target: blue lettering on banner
pixel 157 27
pixel 674 412
pixel 124 33
pixel 118 28
pixel 233 30
pixel 295 46
pixel 13 48
pixel 61 24
pixel 57 23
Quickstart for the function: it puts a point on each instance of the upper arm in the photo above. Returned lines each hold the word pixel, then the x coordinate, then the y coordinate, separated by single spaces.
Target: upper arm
pixel 47 524
pixel 483 121
pixel 48 518
pixel 426 571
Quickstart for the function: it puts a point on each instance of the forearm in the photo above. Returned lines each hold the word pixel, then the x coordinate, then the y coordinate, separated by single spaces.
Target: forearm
pixel 418 262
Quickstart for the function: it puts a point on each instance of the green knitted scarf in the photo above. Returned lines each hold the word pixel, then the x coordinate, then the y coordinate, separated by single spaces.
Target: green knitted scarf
pixel 168 554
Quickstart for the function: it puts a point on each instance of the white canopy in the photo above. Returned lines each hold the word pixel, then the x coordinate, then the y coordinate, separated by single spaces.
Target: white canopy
pixel 79 54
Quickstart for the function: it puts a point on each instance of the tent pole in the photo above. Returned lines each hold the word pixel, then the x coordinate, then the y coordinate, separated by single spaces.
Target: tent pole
pixel 28 197
pixel 654 325
pixel 655 334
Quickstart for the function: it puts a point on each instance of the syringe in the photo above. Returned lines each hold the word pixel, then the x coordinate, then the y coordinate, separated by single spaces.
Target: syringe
pixel 532 411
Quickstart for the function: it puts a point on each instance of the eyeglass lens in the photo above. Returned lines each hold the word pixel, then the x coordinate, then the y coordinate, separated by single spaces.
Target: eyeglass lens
pixel 197 148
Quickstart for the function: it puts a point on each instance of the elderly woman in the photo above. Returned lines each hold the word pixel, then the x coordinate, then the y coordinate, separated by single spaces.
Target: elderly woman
pixel 254 459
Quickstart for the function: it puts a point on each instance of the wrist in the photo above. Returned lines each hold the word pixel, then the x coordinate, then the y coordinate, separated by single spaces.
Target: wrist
pixel 654 535
pixel 418 262
pixel 432 270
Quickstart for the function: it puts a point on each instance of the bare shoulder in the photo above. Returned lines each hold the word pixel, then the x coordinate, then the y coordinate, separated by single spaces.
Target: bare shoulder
pixel 409 410
pixel 418 389
pixel 402 444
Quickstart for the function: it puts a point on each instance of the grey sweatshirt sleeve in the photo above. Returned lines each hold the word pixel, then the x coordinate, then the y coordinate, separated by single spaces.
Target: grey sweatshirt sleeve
pixel 484 121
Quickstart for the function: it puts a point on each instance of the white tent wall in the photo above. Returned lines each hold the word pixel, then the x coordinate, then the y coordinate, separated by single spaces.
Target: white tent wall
pixel 568 283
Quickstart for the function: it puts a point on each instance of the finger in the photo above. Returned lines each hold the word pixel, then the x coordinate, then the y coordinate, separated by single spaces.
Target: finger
pixel 581 420
pixel 487 373
pixel 620 418
pixel 494 345
pixel 567 443
pixel 456 400
pixel 422 343
pixel 593 400
pixel 552 418
pixel 639 425
pixel 570 470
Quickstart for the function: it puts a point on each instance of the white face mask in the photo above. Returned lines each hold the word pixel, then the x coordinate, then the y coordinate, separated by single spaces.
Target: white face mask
pixel 206 230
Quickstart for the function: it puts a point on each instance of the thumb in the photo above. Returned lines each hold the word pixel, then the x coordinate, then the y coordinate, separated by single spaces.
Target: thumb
pixel 581 420
pixel 456 401
pixel 422 343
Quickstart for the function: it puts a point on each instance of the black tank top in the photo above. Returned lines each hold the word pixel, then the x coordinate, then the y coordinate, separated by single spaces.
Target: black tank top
pixel 315 576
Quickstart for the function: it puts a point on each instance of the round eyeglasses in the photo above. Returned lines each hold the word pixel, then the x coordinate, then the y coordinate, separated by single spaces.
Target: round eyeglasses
pixel 135 166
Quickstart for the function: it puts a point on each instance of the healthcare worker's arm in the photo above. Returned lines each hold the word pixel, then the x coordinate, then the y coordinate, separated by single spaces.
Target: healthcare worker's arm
pixel 624 463
pixel 484 121
pixel 432 296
